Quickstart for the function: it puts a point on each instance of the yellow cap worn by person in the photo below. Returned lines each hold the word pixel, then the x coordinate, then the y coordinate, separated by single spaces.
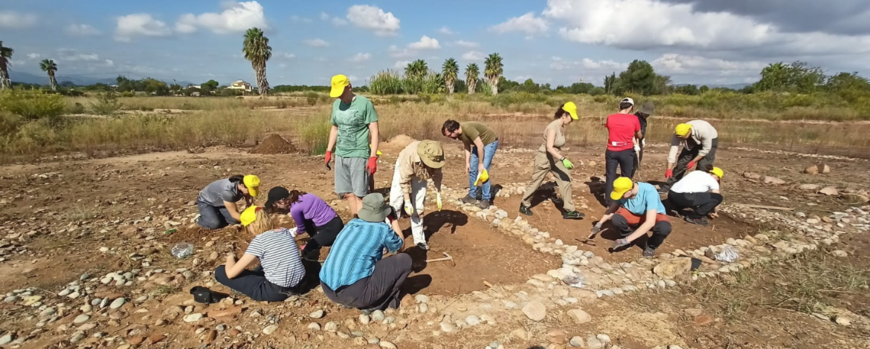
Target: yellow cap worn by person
pixel 571 108
pixel 249 215
pixel 718 172
pixel 252 182
pixel 621 186
pixel 683 130
pixel 339 82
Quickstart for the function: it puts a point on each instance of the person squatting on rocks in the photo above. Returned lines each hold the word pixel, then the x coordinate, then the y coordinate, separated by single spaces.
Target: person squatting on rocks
pixel 549 158
pixel 355 273
pixel 416 164
pixel 698 141
pixel 217 201
pixel 636 206
pixel 311 214
pixel 698 190
pixel 622 129
pixel 281 272
pixel 354 125
pixel 480 144
pixel 646 110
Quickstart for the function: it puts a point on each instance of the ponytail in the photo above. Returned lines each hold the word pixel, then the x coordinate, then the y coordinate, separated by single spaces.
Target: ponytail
pixel 237 179
pixel 294 196
pixel 559 112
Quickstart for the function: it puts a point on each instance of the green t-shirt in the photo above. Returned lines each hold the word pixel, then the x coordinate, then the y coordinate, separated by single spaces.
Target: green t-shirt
pixel 353 127
pixel 471 130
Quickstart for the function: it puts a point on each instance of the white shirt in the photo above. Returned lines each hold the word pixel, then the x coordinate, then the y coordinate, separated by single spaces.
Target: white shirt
pixel 696 182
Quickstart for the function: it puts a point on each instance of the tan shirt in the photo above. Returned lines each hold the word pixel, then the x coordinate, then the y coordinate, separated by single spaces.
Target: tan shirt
pixel 559 141
pixel 703 134
pixel 407 158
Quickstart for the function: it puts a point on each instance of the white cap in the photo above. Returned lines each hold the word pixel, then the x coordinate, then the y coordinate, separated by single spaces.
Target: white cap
pixel 627 100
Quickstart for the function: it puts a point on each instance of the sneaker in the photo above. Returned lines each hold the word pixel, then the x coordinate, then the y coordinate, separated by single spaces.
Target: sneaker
pixel 484 204
pixel 526 210
pixel 423 246
pixel 469 200
pixel 649 252
pixel 698 221
pixel 573 215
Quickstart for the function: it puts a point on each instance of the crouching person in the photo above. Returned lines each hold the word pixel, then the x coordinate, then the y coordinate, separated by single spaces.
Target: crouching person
pixel 281 272
pixel 355 273
pixel 698 190
pixel 637 207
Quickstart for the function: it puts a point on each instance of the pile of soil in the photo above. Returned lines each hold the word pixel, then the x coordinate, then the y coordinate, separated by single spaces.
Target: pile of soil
pixel 274 144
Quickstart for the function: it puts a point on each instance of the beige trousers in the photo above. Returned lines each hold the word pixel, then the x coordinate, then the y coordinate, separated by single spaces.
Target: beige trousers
pixel 545 163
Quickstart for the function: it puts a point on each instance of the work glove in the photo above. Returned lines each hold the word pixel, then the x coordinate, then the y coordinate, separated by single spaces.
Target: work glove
pixel 438 201
pixel 596 228
pixel 372 166
pixel 619 243
pixel 409 209
pixel 669 174
pixel 691 165
pixel 567 163
pixel 328 157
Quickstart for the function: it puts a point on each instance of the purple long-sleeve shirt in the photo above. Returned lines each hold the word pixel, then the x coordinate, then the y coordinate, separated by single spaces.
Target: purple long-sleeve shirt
pixel 311 207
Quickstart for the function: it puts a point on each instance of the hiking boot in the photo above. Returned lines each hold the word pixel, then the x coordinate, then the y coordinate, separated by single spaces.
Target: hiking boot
pixel 699 221
pixel 573 215
pixel 526 210
pixel 484 204
pixel 649 252
pixel 423 246
pixel 469 200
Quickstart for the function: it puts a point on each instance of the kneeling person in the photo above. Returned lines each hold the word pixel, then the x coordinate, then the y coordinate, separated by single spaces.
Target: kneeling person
pixel 637 206
pixel 698 190
pixel 354 274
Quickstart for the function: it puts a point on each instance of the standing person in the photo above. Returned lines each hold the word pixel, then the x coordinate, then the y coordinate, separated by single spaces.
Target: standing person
pixel 549 159
pixel 646 110
pixel 354 136
pixel 636 206
pixel 217 201
pixel 355 273
pixel 698 141
pixel 622 128
pixel 281 272
pixel 698 190
pixel 480 144
pixel 418 162
pixel 311 214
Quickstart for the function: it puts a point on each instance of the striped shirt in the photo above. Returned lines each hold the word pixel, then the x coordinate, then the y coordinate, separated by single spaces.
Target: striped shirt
pixel 356 250
pixel 278 256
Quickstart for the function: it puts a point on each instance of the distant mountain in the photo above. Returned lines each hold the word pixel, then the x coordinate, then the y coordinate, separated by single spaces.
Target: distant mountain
pixel 731 86
pixel 79 80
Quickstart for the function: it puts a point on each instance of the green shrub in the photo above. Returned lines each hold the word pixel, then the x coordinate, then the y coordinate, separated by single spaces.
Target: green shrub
pixel 386 83
pixel 33 104
pixel 106 104
pixel 315 136
pixel 127 94
pixel 9 123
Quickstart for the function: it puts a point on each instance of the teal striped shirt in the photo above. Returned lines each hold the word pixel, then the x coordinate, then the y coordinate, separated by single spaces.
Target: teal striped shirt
pixel 358 247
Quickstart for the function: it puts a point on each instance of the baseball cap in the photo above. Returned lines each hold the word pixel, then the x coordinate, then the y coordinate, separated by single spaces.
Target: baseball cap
pixel 620 186
pixel 718 172
pixel 682 130
pixel 571 108
pixel 249 215
pixel 627 100
pixel 339 82
pixel 252 182
pixel 275 194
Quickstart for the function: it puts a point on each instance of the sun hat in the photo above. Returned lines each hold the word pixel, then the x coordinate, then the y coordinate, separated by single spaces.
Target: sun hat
pixel 647 108
pixel 571 108
pixel 252 182
pixel 339 82
pixel 620 186
pixel 431 154
pixel 683 130
pixel 627 100
pixel 276 194
pixel 249 215
pixel 374 208
pixel 718 172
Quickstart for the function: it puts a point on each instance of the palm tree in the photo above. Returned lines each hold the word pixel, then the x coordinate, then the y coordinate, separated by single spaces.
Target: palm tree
pixel 493 70
pixel 48 66
pixel 416 69
pixel 5 55
pixel 449 71
pixel 471 76
pixel 258 51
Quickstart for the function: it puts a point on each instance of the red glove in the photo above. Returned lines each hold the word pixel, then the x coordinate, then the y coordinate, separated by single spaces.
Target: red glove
pixel 372 166
pixel 669 173
pixel 328 157
pixel 691 165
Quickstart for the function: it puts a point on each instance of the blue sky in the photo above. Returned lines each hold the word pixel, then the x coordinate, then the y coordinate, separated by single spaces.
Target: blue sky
pixel 556 41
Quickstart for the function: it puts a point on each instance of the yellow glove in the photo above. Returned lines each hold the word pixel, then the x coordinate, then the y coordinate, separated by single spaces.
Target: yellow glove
pixel 409 209
pixel 438 201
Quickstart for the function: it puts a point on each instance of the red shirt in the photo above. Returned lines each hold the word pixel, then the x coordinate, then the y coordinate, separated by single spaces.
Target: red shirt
pixel 621 129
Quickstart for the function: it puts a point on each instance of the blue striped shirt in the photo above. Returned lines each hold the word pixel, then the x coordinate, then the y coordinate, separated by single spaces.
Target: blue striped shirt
pixel 356 250
pixel 278 256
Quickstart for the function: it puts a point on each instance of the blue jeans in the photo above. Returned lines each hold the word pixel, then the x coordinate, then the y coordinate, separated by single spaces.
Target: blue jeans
pixel 488 153
pixel 211 217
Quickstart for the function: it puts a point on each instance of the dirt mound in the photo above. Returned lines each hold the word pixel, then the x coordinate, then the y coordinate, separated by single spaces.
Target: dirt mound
pixel 274 144
pixel 396 144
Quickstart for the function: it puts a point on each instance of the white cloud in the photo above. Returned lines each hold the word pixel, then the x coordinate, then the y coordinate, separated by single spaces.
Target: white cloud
pixel 70 55
pixel 336 21
pixel 16 20
pixel 396 52
pixel 324 16
pixel 401 65
pixel 33 55
pixel 81 30
pixel 297 19
pixel 237 17
pixel 526 23
pixel 361 57
pixel 446 31
pixel 373 18
pixel 677 64
pixel 467 44
pixel 425 43
pixel 284 55
pixel 110 62
pixel 473 56
pixel 316 43
pixel 139 24
pixel 282 65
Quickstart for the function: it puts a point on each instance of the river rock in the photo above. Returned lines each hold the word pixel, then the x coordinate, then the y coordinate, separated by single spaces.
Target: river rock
pixel 830 191
pixel 577 342
pixel 192 317
pixel 6 339
pixel 773 180
pixel 117 303
pixel 579 316
pixel 387 345
pixel 378 315
pixel 535 310
pixel 81 319
pixel 270 329
pixel 317 314
pixel 314 326
pixel 364 319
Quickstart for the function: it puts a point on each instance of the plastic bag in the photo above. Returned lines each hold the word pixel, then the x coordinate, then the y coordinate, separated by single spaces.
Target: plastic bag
pixel 182 250
pixel 728 255
pixel 575 280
